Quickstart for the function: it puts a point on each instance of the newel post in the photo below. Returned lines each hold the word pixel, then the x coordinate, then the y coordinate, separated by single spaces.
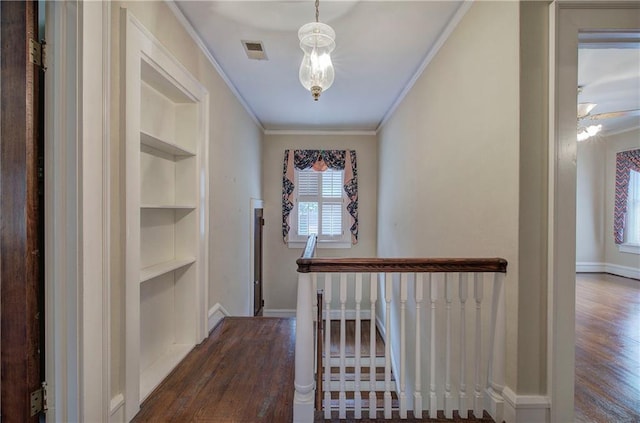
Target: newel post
pixel 497 352
pixel 303 398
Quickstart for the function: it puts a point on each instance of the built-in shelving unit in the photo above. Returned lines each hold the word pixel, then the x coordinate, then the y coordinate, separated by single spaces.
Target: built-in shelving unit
pixel 166 206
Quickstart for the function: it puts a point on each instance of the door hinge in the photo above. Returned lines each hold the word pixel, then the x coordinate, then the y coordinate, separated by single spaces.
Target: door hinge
pixel 39 400
pixel 262 303
pixel 38 53
pixel 262 221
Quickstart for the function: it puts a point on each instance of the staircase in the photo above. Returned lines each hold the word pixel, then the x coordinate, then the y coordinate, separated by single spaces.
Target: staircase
pixel 351 374
pixel 443 346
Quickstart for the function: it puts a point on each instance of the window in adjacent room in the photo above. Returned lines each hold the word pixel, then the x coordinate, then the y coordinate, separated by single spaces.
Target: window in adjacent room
pixel 626 212
pixel 632 227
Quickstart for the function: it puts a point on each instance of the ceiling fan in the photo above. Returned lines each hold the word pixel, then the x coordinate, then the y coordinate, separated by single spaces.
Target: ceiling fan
pixel 587 130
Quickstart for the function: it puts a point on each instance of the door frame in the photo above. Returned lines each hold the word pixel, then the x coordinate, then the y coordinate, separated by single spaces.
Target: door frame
pixel 566 19
pixel 254 204
pixel 77 209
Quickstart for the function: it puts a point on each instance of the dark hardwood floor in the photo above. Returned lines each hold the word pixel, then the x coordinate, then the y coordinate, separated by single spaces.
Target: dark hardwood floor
pixel 242 373
pixel 607 349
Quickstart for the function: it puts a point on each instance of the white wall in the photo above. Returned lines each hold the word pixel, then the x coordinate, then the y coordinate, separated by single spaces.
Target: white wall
pixel 235 148
pixel 449 158
pixel 596 250
pixel 590 200
pixel 280 276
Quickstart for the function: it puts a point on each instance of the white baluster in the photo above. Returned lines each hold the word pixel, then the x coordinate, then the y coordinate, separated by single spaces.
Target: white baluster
pixel 373 297
pixel 463 293
pixel 387 346
pixel 327 346
pixel 342 409
pixel 357 397
pixel 448 296
pixel 403 345
pixel 417 394
pixel 478 291
pixel 497 349
pixel 304 383
pixel 433 399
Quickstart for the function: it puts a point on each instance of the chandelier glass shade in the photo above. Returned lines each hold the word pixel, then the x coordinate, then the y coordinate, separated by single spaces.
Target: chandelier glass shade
pixel 317 41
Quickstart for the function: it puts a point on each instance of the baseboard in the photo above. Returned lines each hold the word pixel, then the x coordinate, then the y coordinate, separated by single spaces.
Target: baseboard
pixel 525 408
pixel 279 312
pixel 216 314
pixel 590 267
pixel 335 314
pixel 116 409
pixel 614 269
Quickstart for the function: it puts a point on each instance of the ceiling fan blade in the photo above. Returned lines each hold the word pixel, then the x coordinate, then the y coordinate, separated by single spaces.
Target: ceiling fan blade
pixel 621 113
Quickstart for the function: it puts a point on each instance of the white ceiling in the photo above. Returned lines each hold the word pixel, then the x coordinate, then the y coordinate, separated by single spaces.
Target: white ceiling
pixel 380 47
pixel 609 74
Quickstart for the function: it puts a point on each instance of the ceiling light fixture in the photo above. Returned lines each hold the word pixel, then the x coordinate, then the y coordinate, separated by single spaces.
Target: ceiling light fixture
pixel 588 132
pixel 317 41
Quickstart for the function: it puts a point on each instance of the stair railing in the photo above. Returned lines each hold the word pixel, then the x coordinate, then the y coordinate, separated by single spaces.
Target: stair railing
pixel 436 281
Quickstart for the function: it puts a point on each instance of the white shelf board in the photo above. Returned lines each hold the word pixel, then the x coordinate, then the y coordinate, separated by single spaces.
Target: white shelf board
pixel 164 146
pixel 151 377
pixel 164 267
pixel 168 206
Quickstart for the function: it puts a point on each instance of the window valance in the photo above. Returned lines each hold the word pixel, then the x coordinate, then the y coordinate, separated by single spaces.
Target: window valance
pixel 626 161
pixel 320 160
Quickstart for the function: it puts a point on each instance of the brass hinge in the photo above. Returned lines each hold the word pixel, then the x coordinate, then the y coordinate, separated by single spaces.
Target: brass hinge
pixel 38 53
pixel 39 400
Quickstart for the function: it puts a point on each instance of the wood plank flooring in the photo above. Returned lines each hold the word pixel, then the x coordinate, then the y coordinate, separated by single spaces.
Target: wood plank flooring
pixel 607 349
pixel 242 373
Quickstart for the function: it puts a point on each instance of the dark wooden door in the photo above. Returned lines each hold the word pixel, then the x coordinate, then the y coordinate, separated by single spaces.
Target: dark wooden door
pixel 20 217
pixel 258 223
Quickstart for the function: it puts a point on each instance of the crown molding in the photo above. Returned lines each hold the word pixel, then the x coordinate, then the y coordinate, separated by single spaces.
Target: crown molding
pixel 203 48
pixel 448 30
pixel 316 132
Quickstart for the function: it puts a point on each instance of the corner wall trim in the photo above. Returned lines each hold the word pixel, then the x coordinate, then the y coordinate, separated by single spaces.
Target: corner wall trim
pixel 205 51
pixel 525 408
pixel 614 269
pixel 444 36
pixel 216 314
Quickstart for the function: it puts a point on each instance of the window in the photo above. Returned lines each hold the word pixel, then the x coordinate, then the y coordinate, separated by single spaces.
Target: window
pixel 626 210
pixel 320 195
pixel 632 227
pixel 319 206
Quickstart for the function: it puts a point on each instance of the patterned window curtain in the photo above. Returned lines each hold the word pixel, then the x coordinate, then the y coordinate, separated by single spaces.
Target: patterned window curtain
pixel 626 161
pixel 320 160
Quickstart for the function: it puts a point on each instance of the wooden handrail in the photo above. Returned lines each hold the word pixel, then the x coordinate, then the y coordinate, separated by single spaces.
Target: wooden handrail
pixel 401 265
pixel 308 264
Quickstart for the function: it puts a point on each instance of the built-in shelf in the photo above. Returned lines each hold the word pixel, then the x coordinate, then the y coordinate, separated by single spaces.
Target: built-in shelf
pixel 151 377
pixel 163 145
pixel 168 206
pixel 166 127
pixel 165 267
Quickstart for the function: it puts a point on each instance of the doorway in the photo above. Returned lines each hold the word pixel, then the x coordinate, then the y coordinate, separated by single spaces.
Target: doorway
pixel 256 288
pixel 569 21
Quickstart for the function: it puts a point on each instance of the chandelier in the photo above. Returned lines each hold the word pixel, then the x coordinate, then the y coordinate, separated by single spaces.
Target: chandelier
pixel 317 42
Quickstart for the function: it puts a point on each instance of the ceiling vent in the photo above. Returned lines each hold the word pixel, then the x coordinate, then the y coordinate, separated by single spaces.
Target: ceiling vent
pixel 254 50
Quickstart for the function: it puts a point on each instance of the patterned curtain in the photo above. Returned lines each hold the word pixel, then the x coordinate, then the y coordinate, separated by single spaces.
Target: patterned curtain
pixel 626 161
pixel 320 160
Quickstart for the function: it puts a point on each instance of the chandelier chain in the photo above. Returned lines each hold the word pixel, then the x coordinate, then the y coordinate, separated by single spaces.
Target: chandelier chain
pixel 317 10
